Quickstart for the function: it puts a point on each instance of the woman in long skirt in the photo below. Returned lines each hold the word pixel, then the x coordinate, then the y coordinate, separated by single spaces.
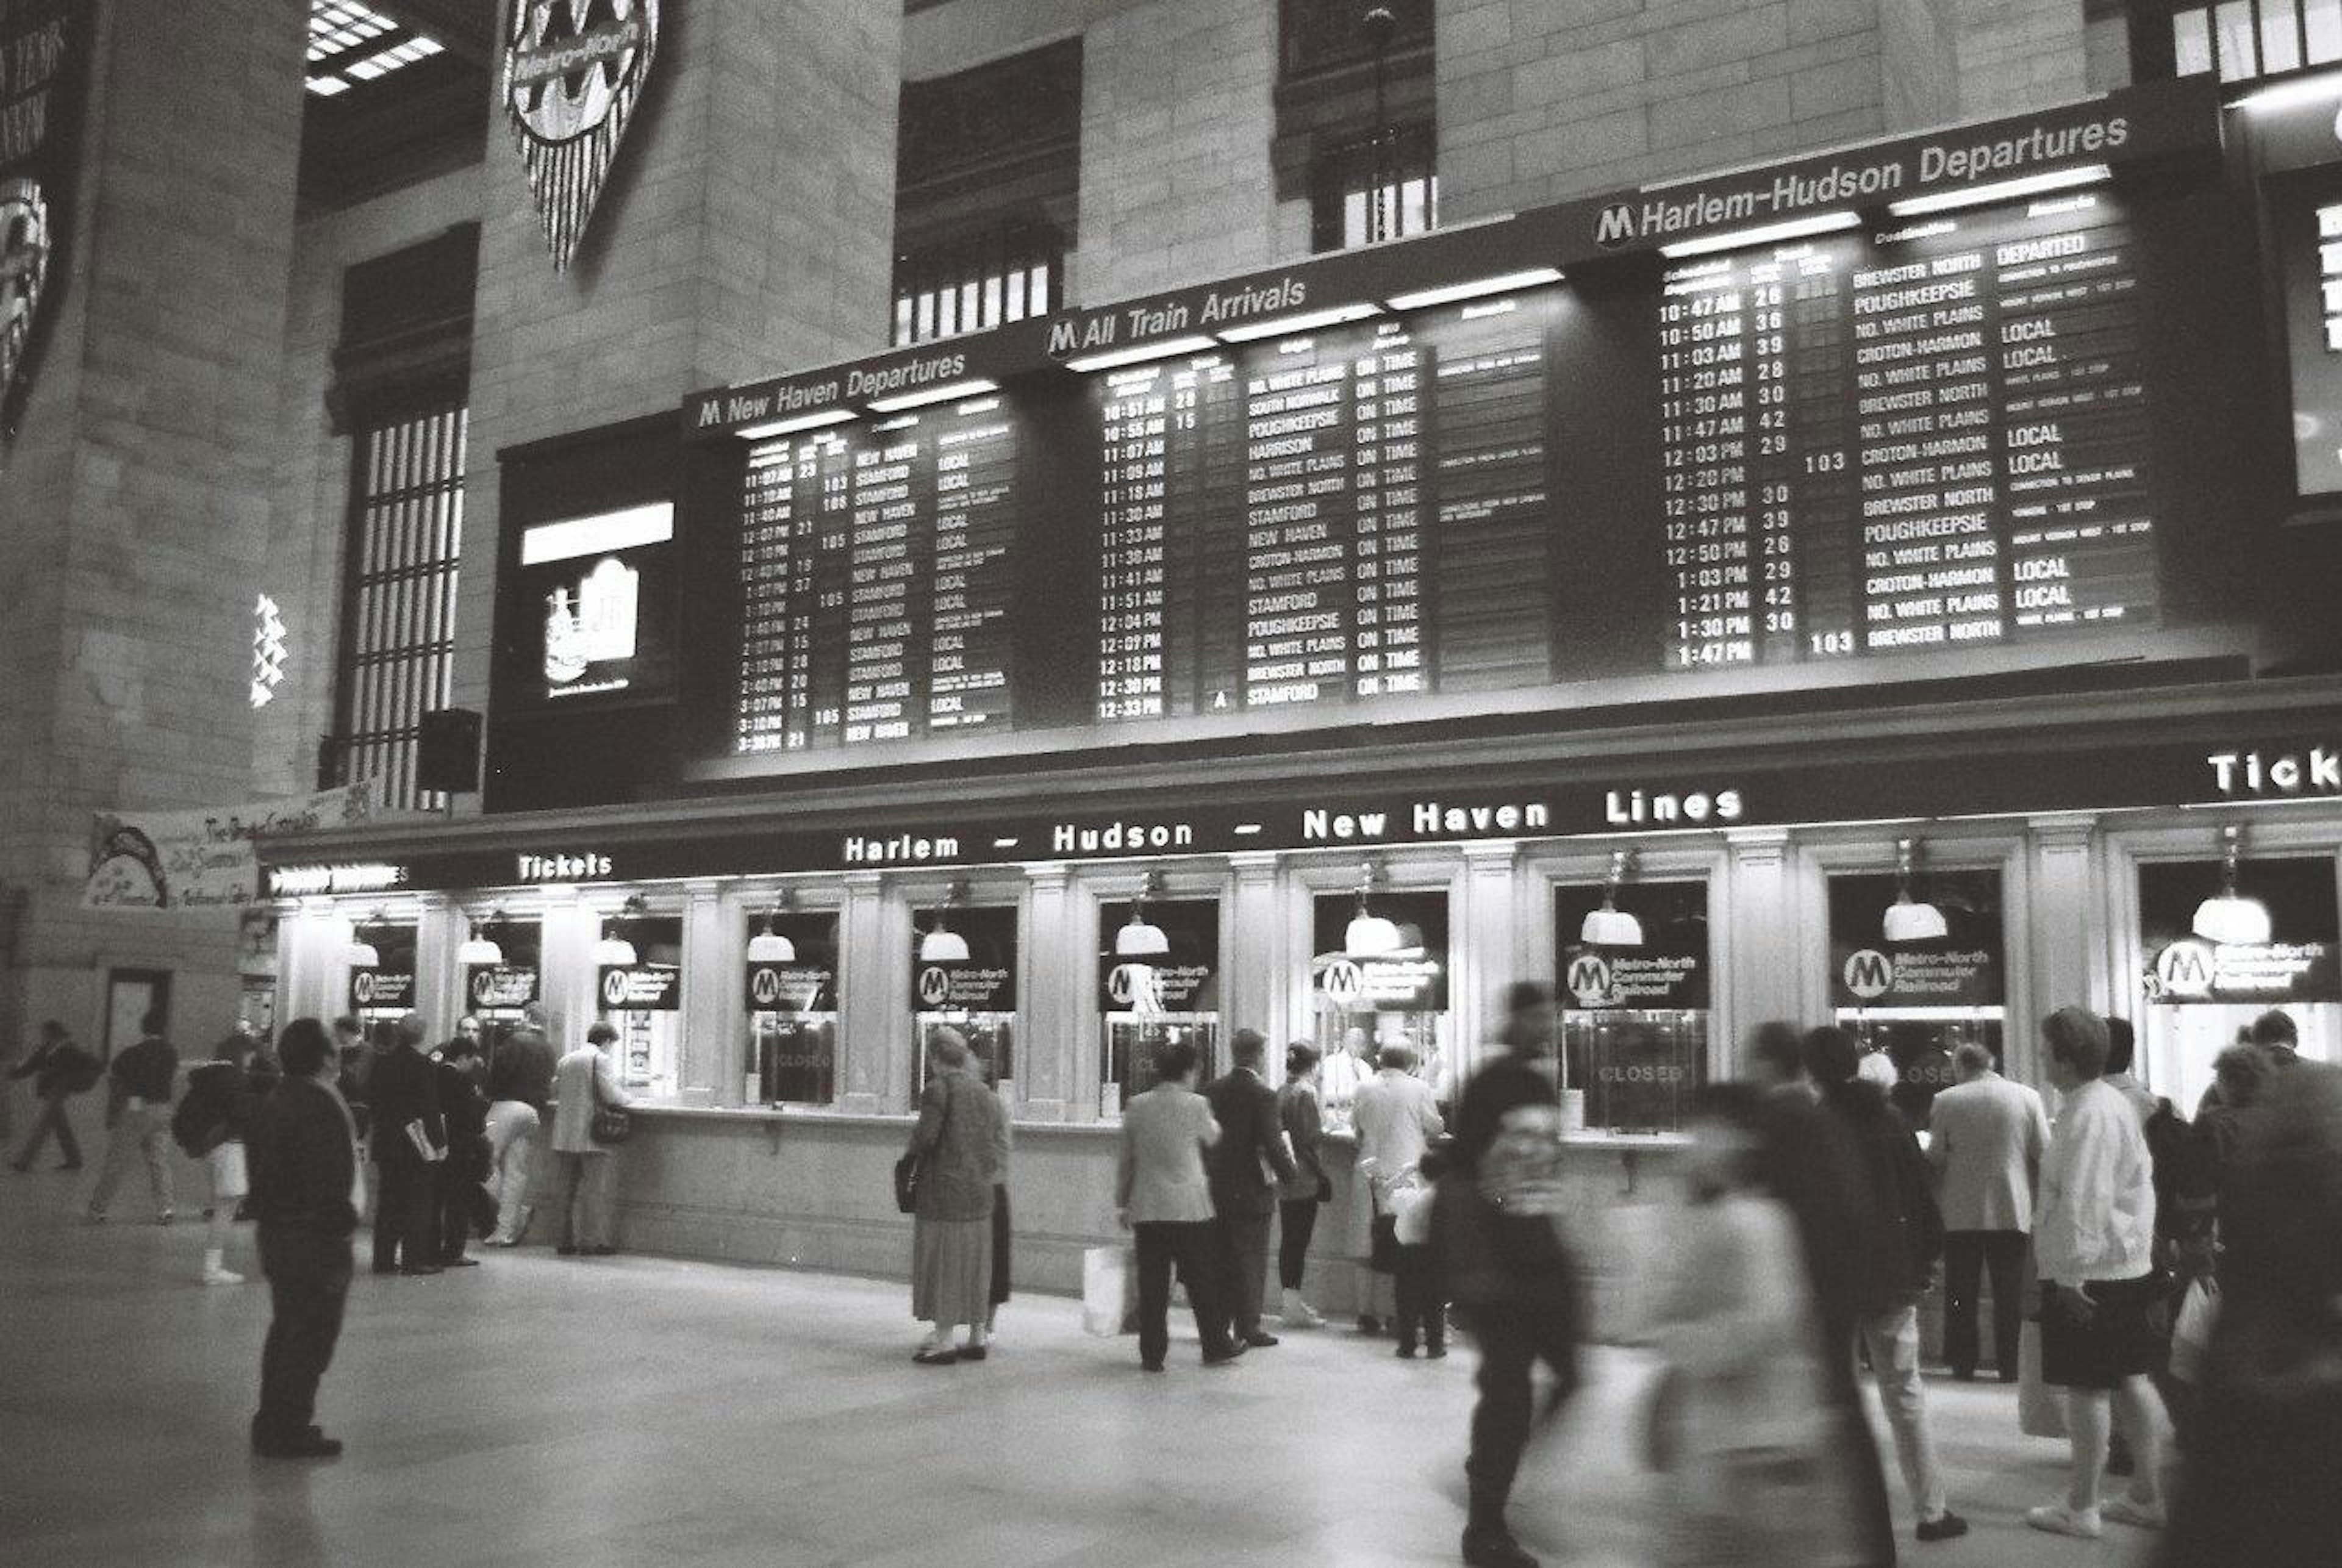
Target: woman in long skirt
pixel 959 1129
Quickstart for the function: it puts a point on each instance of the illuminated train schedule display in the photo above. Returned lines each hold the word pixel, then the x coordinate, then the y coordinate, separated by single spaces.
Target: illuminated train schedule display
pixel 1933 437
pixel 1966 442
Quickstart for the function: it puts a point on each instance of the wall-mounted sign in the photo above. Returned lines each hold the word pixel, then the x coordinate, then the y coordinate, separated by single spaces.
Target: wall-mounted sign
pixel 304 880
pixel 44 64
pixel 1410 978
pixel 1668 971
pixel 596 590
pixel 381 988
pixel 805 981
pixel 640 988
pixel 2301 962
pixel 205 859
pixel 501 986
pixel 1186 979
pixel 983 982
pixel 1963 968
pixel 573 78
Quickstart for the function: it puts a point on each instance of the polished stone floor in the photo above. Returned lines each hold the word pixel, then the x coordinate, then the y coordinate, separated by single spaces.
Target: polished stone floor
pixel 639 1411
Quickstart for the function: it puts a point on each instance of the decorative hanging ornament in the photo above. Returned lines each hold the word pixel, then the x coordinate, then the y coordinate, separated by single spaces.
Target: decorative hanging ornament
pixel 573 73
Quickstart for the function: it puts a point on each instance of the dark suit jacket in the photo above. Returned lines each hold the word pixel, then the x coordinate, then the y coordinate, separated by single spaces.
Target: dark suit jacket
pixel 403 1086
pixel 1251 1131
pixel 303 1161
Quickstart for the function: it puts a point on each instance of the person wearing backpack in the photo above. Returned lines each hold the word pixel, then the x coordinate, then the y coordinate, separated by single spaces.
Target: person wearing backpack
pixel 210 1126
pixel 138 1112
pixel 59 1070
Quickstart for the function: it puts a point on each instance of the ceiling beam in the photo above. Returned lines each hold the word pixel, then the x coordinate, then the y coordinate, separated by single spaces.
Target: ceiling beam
pixel 465 28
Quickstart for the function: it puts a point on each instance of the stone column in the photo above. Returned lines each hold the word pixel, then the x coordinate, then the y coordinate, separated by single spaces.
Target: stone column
pixel 311 974
pixel 2063 926
pixel 713 1012
pixel 1484 952
pixel 1766 946
pixel 566 934
pixel 1048 1056
pixel 870 957
pixel 1257 991
pixel 438 978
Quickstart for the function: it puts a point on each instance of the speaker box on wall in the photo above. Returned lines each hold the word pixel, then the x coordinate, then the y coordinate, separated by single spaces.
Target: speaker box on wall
pixel 449 756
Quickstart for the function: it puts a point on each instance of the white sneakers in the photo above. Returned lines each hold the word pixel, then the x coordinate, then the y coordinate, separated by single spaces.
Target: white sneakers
pixel 2144 1515
pixel 2059 1519
pixel 1299 1314
pixel 217 1273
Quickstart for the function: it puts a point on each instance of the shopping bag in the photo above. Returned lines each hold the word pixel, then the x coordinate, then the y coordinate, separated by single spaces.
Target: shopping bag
pixel 2191 1332
pixel 1109 1296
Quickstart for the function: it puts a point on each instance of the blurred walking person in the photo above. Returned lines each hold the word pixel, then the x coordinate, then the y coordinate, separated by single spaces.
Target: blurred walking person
pixel 2261 1480
pixel 1164 1198
pixel 1897 1267
pixel 957 1141
pixel 59 1070
pixel 2094 1248
pixel 212 1124
pixel 1505 1268
pixel 140 1088
pixel 307 1193
pixel 1986 1137
pixel 1299 1196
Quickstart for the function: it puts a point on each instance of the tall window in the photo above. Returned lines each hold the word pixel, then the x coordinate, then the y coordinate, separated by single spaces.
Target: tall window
pixel 2237 39
pixel 398 617
pixel 1362 192
pixel 973 281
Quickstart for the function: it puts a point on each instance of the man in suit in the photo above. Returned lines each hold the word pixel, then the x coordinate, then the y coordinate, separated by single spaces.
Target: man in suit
pixel 305 1195
pixel 1985 1135
pixel 403 1090
pixel 1246 1164
pixel 1162 1197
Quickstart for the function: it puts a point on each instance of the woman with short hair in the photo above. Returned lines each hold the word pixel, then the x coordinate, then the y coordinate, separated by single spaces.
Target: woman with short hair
pixel 955 1144
pixel 1298 1197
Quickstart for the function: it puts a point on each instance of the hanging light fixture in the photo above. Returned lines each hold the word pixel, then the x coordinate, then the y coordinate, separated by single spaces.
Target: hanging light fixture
pixel 1907 920
pixel 2228 918
pixel 361 954
pixel 1139 938
pixel 769 947
pixel 1369 935
pixel 613 951
pixel 943 944
pixel 477 950
pixel 1608 926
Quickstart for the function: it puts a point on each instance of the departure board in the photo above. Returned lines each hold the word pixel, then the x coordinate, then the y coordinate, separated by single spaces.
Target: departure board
pixel 1930 438
pixel 1869 448
pixel 876 581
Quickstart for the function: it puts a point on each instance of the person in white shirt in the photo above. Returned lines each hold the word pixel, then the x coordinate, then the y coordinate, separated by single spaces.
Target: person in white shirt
pixel 1395 1118
pixel 2094 1245
pixel 1986 1136
pixel 1344 1072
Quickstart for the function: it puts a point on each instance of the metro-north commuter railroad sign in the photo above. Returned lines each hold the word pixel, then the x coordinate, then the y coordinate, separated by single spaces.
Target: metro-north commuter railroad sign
pixel 573 73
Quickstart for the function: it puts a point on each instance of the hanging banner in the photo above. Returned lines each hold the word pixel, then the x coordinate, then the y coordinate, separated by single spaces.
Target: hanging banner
pixel 205 859
pixel 574 74
pixel 44 64
pixel 1665 972
pixel 1961 968
pixel 1411 977
pixel 1185 979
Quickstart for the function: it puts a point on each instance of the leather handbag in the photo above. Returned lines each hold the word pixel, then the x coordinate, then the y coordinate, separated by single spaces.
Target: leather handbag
pixel 911 1169
pixel 612 1125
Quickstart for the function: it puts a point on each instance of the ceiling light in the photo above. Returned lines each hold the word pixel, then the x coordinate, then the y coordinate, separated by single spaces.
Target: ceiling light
pixel 2001 191
pixel 1308 321
pixel 1369 935
pixel 943 944
pixel 478 950
pixel 949 392
pixel 2227 917
pixel 1449 294
pixel 2291 96
pixel 328 86
pixel 1906 920
pixel 1766 235
pixel 1138 938
pixel 769 947
pixel 1142 353
pixel 796 421
pixel 361 955
pixel 1607 925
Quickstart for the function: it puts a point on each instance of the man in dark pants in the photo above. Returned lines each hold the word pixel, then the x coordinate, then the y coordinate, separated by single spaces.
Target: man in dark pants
pixel 305 1197
pixel 1251 1150
pixel 1505 1268
pixel 458 1199
pixel 403 1091
pixel 1164 1198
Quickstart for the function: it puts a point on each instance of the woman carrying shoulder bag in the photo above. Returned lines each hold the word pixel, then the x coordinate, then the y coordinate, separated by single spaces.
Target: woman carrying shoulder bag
pixel 951 1158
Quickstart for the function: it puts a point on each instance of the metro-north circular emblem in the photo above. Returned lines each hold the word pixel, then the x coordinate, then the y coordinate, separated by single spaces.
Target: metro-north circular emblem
pixel 935 985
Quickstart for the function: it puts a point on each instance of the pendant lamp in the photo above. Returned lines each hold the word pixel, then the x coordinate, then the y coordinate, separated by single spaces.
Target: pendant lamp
pixel 2227 917
pixel 1609 926
pixel 613 951
pixel 1907 919
pixel 1139 937
pixel 1369 935
pixel 361 954
pixel 477 950
pixel 943 944
pixel 769 947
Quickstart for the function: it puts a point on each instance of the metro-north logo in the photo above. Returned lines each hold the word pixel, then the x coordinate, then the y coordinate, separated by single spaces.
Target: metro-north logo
pixel 935 985
pixel 362 988
pixel 1616 226
pixel 1591 982
pixel 2184 968
pixel 765 986
pixel 1868 974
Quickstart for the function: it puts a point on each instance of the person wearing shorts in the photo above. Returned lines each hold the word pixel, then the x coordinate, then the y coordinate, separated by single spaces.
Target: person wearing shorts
pixel 2093 1244
pixel 211 1122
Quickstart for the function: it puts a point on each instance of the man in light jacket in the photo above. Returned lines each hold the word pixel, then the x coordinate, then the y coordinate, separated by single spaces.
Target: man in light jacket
pixel 2094 1243
pixel 1986 1138
pixel 1164 1198
pixel 1396 1116
pixel 583 1082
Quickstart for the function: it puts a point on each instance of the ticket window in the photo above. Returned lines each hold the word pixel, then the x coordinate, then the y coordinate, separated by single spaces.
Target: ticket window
pixel 1918 970
pixel 1158 983
pixel 1636 1001
pixel 2210 972
pixel 792 1010
pixel 503 972
pixel 382 987
pixel 964 977
pixel 638 975
pixel 1378 978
